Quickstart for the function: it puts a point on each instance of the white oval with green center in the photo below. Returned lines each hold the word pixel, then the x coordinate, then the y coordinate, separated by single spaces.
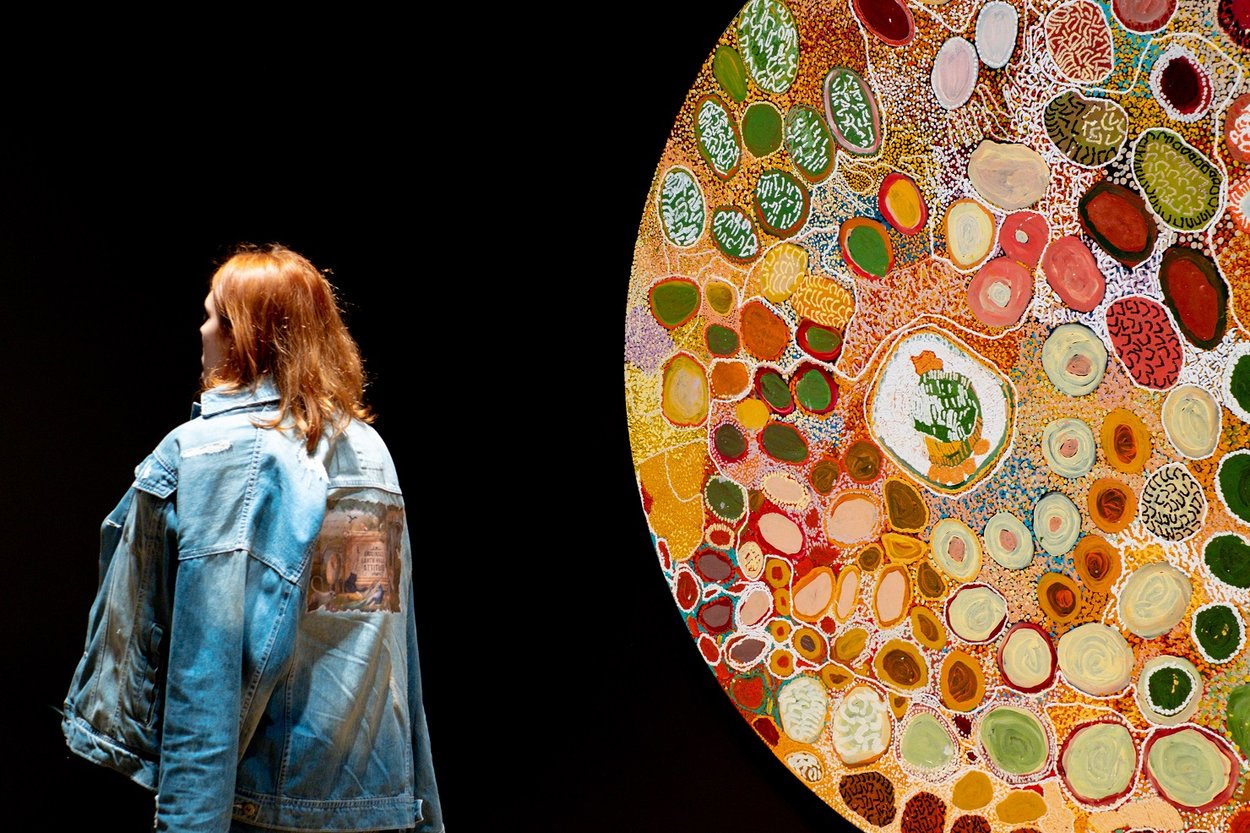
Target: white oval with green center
pixel 781 202
pixel 1190 769
pixel 1099 761
pixel 1015 740
pixel 1169 690
pixel 1153 599
pixel 809 142
pixel 1056 523
pixel 852 111
pixel 1096 659
pixel 926 743
pixel 734 234
pixel 976 613
pixel 769 40
pixel 1069 447
pixel 717 136
pixel 681 207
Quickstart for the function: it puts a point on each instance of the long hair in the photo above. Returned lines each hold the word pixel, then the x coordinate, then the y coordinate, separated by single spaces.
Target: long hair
pixel 281 319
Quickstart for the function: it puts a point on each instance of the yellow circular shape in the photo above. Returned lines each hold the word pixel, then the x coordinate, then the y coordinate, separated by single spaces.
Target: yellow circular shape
pixel 779 630
pixel 962 681
pixel 850 645
pixel 752 413
pixel 721 296
pixel 1112 505
pixel 899 665
pixel 684 392
pixel 1059 597
pixel 1125 441
pixel 824 301
pixel 781 662
pixel 1020 806
pixel 927 628
pixel 973 791
pixel 903 549
pixel 835 676
pixel 777 571
pixel 781 270
pixel 969 230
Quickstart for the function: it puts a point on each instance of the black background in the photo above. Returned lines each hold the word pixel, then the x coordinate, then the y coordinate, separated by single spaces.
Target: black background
pixel 562 689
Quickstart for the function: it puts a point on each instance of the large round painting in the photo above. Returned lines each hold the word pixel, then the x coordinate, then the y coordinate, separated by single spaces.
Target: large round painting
pixel 938 386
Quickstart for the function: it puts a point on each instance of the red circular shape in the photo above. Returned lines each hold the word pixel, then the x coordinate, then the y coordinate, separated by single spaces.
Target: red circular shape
pixel 1142 16
pixel 1074 275
pixel 889 20
pixel 1000 292
pixel 1033 228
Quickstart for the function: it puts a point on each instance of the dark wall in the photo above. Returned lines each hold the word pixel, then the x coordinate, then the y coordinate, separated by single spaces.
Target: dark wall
pixel 563 692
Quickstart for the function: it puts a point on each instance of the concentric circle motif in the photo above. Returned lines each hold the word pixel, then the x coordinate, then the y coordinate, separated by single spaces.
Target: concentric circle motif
pixel 938 396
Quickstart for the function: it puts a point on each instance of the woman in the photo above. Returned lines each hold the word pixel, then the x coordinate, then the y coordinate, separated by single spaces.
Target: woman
pixel 251 653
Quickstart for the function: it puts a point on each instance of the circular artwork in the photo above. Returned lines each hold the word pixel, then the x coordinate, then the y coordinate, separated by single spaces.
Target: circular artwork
pixel 939 403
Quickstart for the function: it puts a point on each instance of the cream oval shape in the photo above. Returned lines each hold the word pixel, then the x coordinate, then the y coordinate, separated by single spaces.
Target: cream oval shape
pixel 1074 359
pixel 1056 523
pixel 954 74
pixel 1008 541
pixel 846 596
pixel 1027 658
pixel 998 23
pixel 1154 599
pixel 754 606
pixel 1096 659
pixel 861 726
pixel 784 489
pixel 956 549
pixel 1008 175
pixel 1098 762
pixel 1192 420
pixel 892 596
pixel 976 613
pixel 802 704
pixel 1069 447
pixel 926 743
pixel 853 517
pixel 813 594
pixel 1189 768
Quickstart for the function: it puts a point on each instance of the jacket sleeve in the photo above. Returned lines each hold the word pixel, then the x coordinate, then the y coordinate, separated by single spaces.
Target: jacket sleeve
pixel 203 695
pixel 423 761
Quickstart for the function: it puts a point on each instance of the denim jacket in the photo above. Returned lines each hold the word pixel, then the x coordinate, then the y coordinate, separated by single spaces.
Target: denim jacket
pixel 251 653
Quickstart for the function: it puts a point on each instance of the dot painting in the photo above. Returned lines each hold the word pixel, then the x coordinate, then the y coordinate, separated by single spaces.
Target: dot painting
pixel 938 393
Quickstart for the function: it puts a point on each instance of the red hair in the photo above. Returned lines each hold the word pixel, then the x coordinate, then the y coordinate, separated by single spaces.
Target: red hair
pixel 281 319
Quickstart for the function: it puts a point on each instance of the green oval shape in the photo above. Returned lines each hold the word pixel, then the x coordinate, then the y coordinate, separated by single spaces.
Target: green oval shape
pixel 729 441
pixel 781 202
pixel 813 391
pixel 1089 131
pixel 721 341
pixel 734 234
pixel 823 339
pixel 775 391
pixel 1218 632
pixel 1239 381
pixel 1015 740
pixel 784 442
pixel 1237 717
pixel 730 72
pixel 1228 558
pixel 1181 185
pixel 680 203
pixel 720 296
pixel 761 128
pixel 1188 767
pixel 852 111
pixel 809 142
pixel 1169 688
pixel 770 44
pixel 925 743
pixel 1233 478
pixel 674 301
pixel 717 135
pixel 726 499
pixel 868 250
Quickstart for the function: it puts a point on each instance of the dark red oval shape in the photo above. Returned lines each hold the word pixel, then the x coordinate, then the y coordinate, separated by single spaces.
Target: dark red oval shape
pixel 1185 85
pixel 890 21
pixel 687 590
pixel 1118 220
pixel 1196 294
pixel 1073 273
pixel 717 615
pixel 1142 16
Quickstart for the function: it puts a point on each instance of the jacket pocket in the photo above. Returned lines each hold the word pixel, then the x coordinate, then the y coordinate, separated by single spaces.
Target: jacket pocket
pixel 151 687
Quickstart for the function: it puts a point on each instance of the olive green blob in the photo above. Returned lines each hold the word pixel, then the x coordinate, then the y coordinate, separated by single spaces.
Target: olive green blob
pixel 1234 477
pixel 1239 384
pixel 813 391
pixel 1169 689
pixel 823 340
pixel 761 128
pixel 775 391
pixel 1228 559
pixel 722 341
pixel 1099 761
pixel 925 743
pixel 730 72
pixel 1237 715
pixel 1217 629
pixel 867 248
pixel 729 441
pixel 720 296
pixel 1189 768
pixel 784 442
pixel 725 498
pixel 1014 740
pixel 674 301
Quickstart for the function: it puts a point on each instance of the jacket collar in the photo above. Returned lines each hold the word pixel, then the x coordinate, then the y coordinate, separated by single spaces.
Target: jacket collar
pixel 220 399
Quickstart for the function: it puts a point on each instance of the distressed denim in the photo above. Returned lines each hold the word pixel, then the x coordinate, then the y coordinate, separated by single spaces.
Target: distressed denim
pixel 251 654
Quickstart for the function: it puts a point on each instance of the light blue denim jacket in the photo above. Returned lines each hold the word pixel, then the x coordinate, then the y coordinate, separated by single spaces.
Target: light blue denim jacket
pixel 251 653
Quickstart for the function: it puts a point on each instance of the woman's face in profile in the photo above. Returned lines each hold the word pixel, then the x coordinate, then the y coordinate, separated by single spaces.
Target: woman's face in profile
pixel 213 338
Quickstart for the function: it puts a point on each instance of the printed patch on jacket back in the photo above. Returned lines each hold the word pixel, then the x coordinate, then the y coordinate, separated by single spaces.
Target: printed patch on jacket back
pixel 357 561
